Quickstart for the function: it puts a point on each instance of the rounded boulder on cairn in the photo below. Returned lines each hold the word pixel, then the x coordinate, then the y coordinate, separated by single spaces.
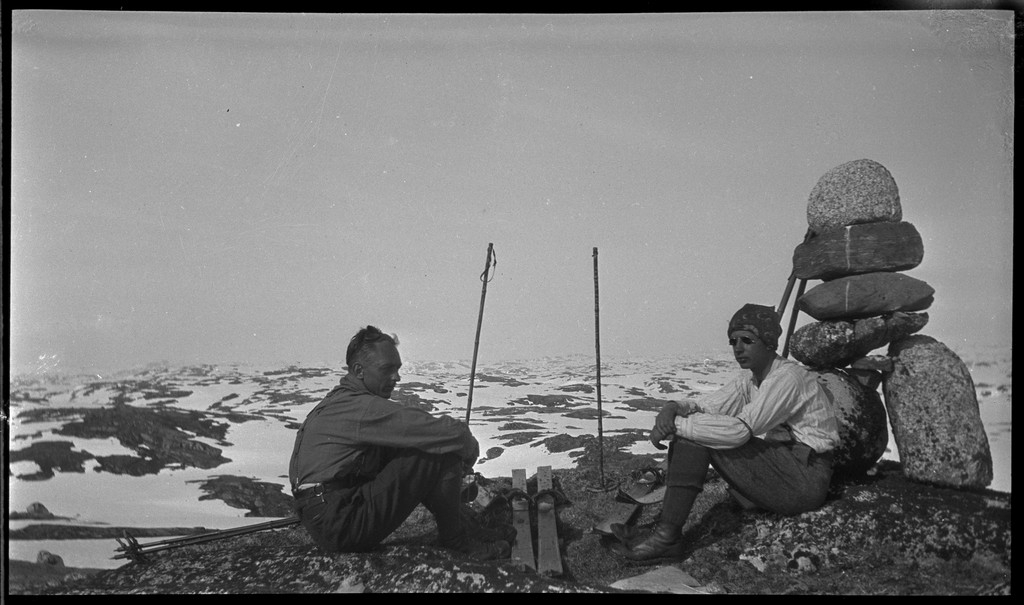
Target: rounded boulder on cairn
pixel 863 431
pixel 861 191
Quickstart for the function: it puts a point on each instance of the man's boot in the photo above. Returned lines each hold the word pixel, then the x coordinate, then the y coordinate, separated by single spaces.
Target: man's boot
pixel 688 465
pixel 445 503
pixel 664 543
pixel 500 531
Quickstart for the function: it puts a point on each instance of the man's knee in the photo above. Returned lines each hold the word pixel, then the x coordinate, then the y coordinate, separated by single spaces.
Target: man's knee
pixel 417 463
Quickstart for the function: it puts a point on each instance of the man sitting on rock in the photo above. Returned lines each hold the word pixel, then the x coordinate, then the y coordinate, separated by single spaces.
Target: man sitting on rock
pixel 769 434
pixel 362 463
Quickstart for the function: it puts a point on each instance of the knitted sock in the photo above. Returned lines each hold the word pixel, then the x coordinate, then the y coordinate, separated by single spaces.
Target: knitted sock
pixel 688 467
pixel 676 506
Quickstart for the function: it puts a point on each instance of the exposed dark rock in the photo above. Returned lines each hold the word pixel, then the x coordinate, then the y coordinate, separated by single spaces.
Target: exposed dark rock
pixel 576 388
pixel 514 439
pixel 262 499
pixel 933 409
pixel 301 372
pixel 587 414
pixel 37 511
pixel 95 532
pixel 50 456
pixel 861 191
pixel 48 558
pixel 162 438
pixel 521 426
pixel 120 464
pixel 563 443
pixel 409 398
pixel 560 401
pixel 647 403
pixel 507 381
pixel 422 386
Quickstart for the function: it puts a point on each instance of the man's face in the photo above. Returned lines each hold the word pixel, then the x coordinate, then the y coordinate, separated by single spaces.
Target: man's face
pixel 749 351
pixel 380 370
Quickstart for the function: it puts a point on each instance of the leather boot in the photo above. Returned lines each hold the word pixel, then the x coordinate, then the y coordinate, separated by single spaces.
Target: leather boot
pixel 663 543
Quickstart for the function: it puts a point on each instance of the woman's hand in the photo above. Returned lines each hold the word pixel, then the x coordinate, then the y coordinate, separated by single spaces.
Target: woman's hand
pixel 665 422
pixel 657 436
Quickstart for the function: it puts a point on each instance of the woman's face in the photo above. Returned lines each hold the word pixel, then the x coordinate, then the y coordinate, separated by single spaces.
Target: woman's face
pixel 749 351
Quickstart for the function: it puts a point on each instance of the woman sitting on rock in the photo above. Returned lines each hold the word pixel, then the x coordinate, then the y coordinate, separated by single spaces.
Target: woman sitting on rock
pixel 769 434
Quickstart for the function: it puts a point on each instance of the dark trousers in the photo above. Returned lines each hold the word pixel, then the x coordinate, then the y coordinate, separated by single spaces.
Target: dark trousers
pixel 359 518
pixel 785 478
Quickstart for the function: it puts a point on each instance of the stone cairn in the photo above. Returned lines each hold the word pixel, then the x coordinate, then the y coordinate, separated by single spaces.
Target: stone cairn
pixel 859 247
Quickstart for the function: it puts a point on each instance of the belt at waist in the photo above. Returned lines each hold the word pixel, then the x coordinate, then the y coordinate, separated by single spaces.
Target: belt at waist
pixel 316 489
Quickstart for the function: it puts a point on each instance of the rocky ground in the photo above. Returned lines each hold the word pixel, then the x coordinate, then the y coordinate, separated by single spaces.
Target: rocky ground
pixel 877 535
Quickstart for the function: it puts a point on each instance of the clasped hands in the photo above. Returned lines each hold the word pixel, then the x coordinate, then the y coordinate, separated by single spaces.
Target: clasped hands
pixel 665 422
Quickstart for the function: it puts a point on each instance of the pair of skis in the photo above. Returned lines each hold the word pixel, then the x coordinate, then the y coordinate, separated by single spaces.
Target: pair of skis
pixel 548 559
pixel 649 488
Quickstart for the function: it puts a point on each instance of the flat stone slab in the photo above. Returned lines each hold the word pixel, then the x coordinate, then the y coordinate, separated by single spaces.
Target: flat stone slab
pixel 856 249
pixel 663 579
pixel 859 296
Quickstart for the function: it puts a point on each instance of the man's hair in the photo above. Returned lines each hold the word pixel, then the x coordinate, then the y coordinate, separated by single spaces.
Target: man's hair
pixel 360 344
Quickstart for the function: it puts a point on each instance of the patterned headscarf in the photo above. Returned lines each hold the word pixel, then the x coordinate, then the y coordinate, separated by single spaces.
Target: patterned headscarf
pixel 760 320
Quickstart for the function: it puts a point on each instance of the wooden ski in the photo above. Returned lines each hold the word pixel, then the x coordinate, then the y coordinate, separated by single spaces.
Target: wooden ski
pixel 549 557
pixel 522 550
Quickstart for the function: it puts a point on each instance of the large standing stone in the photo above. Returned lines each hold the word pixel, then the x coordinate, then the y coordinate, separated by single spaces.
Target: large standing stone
pixel 861 191
pixel 36 509
pixel 863 431
pixel 858 296
pixel 45 557
pixel 836 343
pixel 933 409
pixel 856 249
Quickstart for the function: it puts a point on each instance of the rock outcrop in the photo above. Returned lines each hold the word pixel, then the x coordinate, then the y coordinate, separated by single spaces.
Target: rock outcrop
pixel 877 534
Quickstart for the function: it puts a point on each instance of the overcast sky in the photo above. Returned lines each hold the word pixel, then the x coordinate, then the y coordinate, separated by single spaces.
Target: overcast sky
pixel 204 188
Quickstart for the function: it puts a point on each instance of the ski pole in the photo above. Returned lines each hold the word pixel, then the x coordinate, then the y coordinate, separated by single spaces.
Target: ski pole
pixel 597 347
pixel 132 549
pixel 792 280
pixel 480 319
pixel 792 317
